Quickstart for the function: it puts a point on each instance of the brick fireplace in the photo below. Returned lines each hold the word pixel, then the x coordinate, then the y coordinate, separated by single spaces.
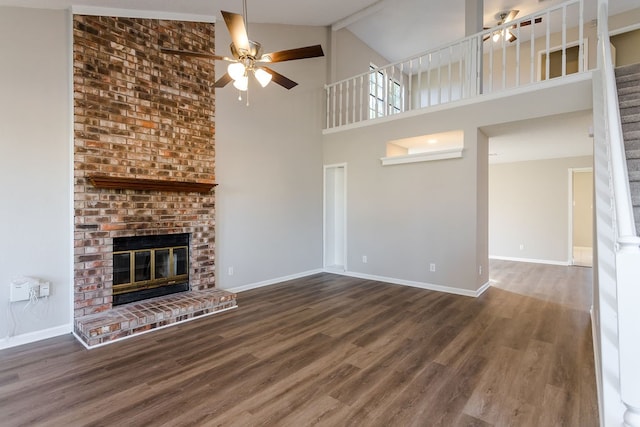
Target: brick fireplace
pixel 143 124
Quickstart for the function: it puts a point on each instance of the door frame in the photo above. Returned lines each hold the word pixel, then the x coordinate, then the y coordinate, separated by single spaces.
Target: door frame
pixel 570 192
pixel 326 168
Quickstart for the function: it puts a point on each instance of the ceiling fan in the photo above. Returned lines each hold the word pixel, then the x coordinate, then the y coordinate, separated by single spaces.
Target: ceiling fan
pixel 247 57
pixel 503 18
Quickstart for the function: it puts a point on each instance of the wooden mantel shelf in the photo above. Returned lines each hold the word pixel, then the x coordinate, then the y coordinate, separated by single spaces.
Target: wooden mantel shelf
pixel 100 181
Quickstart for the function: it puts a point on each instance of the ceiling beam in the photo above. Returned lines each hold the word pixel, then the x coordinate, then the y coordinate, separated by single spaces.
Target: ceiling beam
pixel 362 13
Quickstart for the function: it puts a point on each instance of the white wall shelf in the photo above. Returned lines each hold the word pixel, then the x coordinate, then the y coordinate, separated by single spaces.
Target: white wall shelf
pixel 428 156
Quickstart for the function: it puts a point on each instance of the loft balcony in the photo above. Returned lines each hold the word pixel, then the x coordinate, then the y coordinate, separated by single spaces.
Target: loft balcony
pixel 546 46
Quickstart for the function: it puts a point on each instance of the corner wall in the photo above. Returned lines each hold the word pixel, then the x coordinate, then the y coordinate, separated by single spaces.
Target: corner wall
pixel 269 166
pixel 35 169
pixel 529 206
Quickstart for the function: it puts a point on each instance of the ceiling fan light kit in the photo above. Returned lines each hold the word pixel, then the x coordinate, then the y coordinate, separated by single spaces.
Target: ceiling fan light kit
pixel 507 34
pixel 247 56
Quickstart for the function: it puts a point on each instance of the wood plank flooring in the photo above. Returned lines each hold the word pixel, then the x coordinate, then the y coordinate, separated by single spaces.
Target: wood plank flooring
pixel 333 351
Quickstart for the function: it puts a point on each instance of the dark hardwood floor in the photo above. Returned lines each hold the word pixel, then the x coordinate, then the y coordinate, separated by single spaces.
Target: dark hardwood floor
pixel 335 351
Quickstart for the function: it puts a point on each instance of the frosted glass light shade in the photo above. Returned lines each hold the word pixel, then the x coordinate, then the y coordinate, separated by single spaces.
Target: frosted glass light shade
pixel 263 77
pixel 241 83
pixel 236 70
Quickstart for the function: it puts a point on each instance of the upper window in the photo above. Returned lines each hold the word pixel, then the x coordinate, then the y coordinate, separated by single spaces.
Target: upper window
pixel 385 94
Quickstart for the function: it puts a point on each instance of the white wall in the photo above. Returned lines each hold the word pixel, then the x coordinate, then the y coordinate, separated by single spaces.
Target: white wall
pixel 405 217
pixel 269 166
pixel 352 56
pixel 35 167
pixel 529 206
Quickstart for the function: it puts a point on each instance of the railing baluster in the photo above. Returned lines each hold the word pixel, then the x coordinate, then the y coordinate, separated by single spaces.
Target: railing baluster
pixel 328 94
pixel 429 81
pixel 402 88
pixel 547 48
pixel 504 60
pixel 450 83
pixel 420 82
pixel 518 53
pixel 361 98
pixel 490 64
pixel 581 52
pixel 564 41
pixel 461 50
pixel 354 98
pixel 335 88
pixel 532 59
pixel 439 77
pixel 346 104
pixel 340 105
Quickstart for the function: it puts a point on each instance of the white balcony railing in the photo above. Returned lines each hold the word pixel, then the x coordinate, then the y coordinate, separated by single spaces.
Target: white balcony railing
pixel 618 248
pixel 480 64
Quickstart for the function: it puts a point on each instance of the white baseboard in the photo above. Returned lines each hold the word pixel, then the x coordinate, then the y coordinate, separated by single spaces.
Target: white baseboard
pixel 595 337
pixel 35 336
pixel 421 285
pixel 531 260
pixel 273 281
pixel 483 288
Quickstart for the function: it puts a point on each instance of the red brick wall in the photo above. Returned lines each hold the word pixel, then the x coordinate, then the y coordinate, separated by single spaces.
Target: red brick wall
pixel 140 113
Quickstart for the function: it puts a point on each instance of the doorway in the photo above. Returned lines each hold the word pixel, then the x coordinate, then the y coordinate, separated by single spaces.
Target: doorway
pixel 581 217
pixel 335 217
pixel 625 44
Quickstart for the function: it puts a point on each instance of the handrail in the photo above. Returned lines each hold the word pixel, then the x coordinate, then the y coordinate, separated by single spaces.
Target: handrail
pixel 618 244
pixel 623 206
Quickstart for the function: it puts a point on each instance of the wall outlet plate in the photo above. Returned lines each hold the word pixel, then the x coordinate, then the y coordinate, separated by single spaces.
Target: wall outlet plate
pixel 45 288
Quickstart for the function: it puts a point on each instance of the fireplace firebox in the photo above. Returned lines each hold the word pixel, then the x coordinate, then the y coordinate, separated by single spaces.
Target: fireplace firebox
pixel 149 266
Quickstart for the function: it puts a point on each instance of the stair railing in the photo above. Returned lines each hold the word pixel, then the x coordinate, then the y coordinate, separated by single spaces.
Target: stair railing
pixel 618 246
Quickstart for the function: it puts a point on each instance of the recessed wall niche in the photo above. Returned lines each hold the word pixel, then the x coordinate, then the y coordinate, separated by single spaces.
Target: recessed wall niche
pixel 424 148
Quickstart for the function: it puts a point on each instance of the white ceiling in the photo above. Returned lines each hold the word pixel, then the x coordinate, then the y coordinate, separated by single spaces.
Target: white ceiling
pixel 396 29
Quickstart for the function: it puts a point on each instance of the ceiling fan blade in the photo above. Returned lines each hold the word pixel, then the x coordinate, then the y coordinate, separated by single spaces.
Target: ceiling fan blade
pixel 485 38
pixel 512 37
pixel 510 17
pixel 194 54
pixel 280 79
pixel 223 81
pixel 535 21
pixel 237 30
pixel 293 54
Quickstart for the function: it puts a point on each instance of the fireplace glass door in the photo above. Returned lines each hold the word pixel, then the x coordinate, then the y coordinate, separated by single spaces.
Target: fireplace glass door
pixel 141 267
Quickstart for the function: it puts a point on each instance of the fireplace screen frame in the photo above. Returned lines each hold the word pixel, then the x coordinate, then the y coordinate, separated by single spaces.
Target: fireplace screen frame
pixel 163 266
pixel 133 284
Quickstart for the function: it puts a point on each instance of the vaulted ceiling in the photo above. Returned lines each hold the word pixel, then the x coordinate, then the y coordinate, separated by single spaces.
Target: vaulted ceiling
pixel 394 28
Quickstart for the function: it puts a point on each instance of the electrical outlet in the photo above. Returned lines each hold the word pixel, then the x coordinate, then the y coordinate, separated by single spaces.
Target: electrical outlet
pixel 480 271
pixel 230 271
pixel 45 289
pixel 521 246
pixel 364 259
pixel 432 267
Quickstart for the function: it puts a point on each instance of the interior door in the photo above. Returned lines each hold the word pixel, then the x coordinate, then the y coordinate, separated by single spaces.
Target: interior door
pixel 335 215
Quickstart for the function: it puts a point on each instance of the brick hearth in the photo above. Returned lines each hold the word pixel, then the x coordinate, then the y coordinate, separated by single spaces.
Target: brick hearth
pixel 140 114
pixel 126 320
